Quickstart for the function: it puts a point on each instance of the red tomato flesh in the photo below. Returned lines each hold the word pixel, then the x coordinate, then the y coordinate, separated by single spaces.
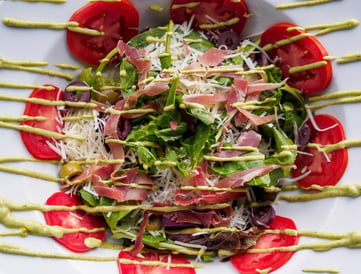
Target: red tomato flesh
pixel 217 10
pixel 324 172
pixel 37 145
pixel 73 219
pixel 305 51
pixel 125 268
pixel 249 263
pixel 119 20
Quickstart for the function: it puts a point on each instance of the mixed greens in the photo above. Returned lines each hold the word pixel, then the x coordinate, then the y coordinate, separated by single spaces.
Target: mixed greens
pixel 202 135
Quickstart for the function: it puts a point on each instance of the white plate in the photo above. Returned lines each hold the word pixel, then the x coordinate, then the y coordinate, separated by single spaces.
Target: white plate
pixel 337 215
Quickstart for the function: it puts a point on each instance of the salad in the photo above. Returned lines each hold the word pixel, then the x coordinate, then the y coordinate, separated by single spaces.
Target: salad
pixel 177 140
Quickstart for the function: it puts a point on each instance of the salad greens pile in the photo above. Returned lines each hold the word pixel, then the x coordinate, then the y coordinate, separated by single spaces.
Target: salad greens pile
pixel 202 141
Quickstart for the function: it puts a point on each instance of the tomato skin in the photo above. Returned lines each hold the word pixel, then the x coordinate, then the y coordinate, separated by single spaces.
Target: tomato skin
pixel 73 219
pixel 323 172
pixel 34 143
pixel 302 52
pixel 118 20
pixel 248 263
pixel 152 256
pixel 220 10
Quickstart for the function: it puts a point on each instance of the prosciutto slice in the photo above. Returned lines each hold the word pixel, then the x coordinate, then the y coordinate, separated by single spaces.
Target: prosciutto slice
pixel 238 179
pixel 137 57
pixel 213 57
pixel 125 193
pixel 152 89
pixel 247 138
pixel 211 218
pixel 199 197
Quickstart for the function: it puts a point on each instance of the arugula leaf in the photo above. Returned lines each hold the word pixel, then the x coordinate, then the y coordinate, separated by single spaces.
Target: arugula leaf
pixel 128 76
pixel 195 144
pixel 232 167
pixel 88 198
pixel 112 218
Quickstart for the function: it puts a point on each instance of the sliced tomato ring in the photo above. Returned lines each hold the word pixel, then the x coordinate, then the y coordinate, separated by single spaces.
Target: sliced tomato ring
pixel 38 145
pixel 253 263
pixel 119 20
pixel 210 12
pixel 325 170
pixel 305 51
pixel 73 219
pixel 134 268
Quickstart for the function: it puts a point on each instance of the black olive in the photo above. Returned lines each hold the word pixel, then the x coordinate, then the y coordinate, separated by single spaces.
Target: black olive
pixel 263 215
pixel 304 134
pixel 77 96
pixel 230 39
pixel 124 127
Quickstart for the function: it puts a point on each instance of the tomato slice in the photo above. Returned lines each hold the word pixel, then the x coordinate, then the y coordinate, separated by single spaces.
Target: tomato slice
pixel 126 268
pixel 209 12
pixel 251 263
pixel 305 51
pixel 117 19
pixel 73 219
pixel 323 171
pixel 37 145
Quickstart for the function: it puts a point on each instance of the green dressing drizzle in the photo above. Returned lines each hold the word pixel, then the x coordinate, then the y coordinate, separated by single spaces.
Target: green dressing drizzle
pixel 320 270
pixel 41 101
pixel 327 28
pixel 287 41
pixel 158 263
pixel 72 26
pixel 234 159
pixel 314 65
pixel 24 86
pixel 303 4
pixel 25 63
pixel 15 249
pixel 22 118
pixel 156 8
pixel 67 66
pixel 347 190
pixel 348 58
pixel 40 131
